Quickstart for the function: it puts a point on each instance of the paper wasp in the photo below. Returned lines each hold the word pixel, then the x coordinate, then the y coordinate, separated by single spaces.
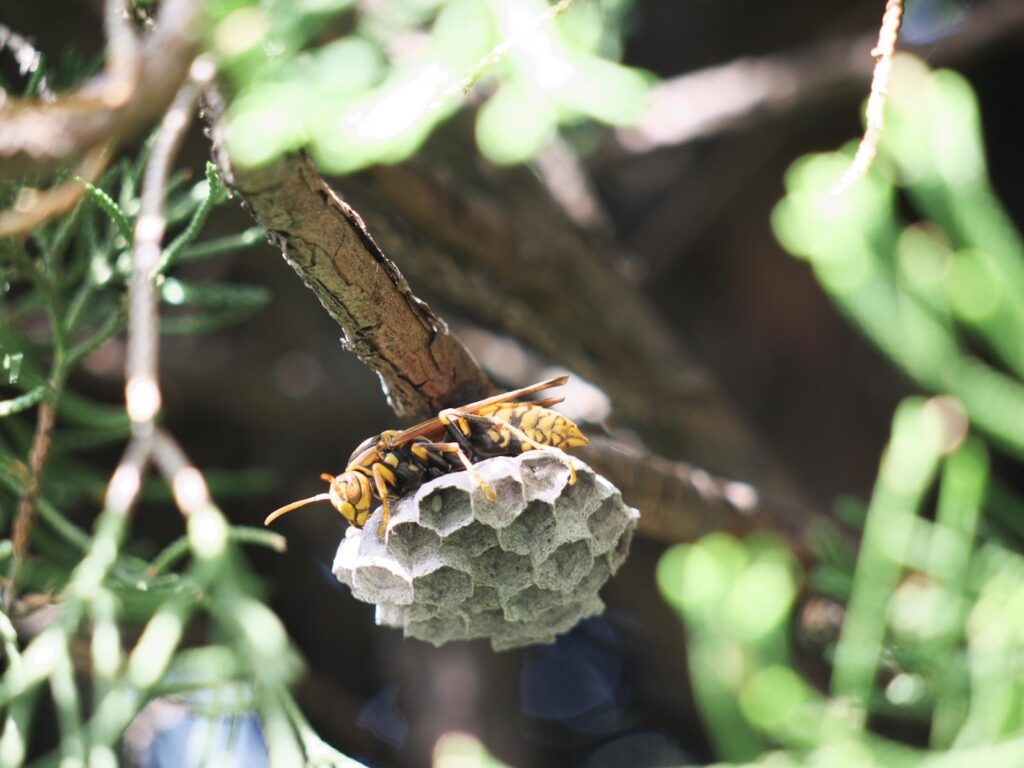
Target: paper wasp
pixel 395 462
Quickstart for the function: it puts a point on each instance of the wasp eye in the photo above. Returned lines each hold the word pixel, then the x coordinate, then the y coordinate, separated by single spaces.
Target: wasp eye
pixel 352 489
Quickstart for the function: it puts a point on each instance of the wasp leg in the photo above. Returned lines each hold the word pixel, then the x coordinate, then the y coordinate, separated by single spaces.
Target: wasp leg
pixel 458 421
pixel 388 439
pixel 527 440
pixel 380 481
pixel 454 417
pixel 456 449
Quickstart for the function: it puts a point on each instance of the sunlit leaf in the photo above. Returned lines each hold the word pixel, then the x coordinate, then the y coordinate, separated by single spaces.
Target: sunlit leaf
pixel 514 125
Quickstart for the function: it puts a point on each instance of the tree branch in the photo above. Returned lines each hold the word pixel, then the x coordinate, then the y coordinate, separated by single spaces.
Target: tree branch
pixel 38 454
pixel 748 90
pixel 139 82
pixel 681 502
pixel 884 52
pixel 34 207
pixel 422 366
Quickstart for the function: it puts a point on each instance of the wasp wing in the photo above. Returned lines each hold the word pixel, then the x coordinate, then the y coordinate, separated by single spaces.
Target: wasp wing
pixel 514 394
pixel 433 429
pixel 545 402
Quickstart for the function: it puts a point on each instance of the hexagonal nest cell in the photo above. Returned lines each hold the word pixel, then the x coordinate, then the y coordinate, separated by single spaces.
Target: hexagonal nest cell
pixel 518 570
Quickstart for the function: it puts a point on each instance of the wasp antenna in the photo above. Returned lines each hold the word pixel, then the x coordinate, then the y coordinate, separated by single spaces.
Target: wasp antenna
pixel 295 505
pixel 327 476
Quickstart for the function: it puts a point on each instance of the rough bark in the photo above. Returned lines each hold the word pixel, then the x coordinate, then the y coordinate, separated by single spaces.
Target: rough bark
pixel 423 367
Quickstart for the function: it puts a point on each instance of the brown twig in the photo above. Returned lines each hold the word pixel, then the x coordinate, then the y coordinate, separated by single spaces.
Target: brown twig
pixel 681 502
pixel 423 367
pixel 37 456
pixel 39 451
pixel 126 481
pixel 142 389
pixel 566 181
pixel 139 82
pixel 749 90
pixel 34 207
pixel 884 51
pixel 191 494
pixel 123 51
pixel 142 392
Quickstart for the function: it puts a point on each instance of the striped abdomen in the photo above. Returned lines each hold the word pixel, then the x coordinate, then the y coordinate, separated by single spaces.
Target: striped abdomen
pixel 489 436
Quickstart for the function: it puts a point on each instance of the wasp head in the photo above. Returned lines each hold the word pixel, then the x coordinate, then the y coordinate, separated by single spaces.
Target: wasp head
pixel 351 495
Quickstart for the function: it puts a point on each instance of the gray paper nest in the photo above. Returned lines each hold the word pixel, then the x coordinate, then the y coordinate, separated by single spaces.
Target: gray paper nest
pixel 518 570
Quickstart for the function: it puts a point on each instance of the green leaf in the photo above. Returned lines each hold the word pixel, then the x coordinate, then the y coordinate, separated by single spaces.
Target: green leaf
pixel 83 412
pixel 180 548
pixel 209 192
pixel 206 322
pixel 218 295
pixel 606 91
pixel 222 245
pixel 514 125
pixel 23 402
pixel 106 204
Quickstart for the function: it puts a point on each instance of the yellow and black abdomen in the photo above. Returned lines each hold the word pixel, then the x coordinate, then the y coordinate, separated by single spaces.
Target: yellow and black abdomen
pixel 499 430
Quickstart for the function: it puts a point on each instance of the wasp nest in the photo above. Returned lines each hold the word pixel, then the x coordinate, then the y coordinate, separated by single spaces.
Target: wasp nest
pixel 518 570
